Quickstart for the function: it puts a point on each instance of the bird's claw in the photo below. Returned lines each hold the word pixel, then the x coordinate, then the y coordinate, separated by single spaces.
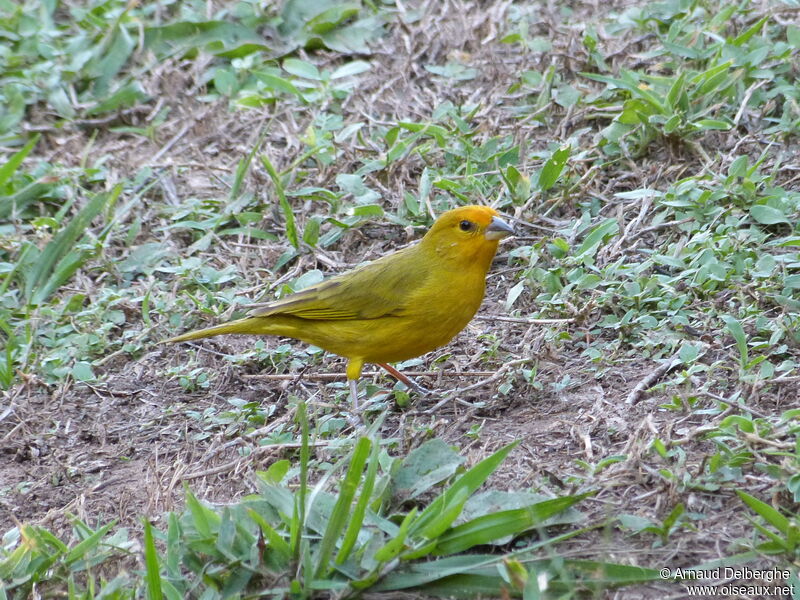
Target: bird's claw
pixel 421 390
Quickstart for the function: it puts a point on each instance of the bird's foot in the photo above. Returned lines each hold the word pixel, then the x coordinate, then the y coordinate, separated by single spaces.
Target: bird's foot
pixel 354 419
pixel 405 379
pixel 419 389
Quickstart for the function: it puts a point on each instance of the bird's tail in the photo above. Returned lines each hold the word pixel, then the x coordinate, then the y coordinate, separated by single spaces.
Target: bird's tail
pixel 240 326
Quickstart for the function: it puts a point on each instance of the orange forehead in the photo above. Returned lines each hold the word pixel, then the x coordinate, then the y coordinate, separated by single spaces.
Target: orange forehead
pixel 482 215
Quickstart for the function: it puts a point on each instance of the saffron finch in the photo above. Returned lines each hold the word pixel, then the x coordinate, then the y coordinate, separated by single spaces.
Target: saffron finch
pixel 398 307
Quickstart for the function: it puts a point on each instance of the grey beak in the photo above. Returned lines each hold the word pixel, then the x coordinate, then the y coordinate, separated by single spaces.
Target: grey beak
pixel 498 229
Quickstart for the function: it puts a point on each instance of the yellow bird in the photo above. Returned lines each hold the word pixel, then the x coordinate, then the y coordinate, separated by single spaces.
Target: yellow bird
pixel 398 307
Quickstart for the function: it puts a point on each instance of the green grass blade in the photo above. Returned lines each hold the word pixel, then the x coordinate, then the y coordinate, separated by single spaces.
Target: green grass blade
pixel 710 79
pixel 769 514
pixel 495 526
pixel 299 516
pixel 676 91
pixel 471 574
pixel 242 168
pixel 341 510
pixel 605 574
pixel 58 261
pixel 18 201
pixel 745 36
pixel 396 545
pixel 291 228
pixel 152 571
pixel 173 551
pixel 274 539
pixel 357 519
pixel 671 519
pixel 13 163
pixel 451 509
pixel 204 519
pixel 421 573
pixel 80 550
pixel 469 482
pixel 44 539
pixel 8 362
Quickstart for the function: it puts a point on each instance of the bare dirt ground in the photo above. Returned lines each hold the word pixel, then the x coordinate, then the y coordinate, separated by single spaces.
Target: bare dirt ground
pixel 126 447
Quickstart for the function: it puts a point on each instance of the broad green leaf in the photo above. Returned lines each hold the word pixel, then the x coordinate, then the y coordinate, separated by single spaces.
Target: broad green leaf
pixel 275 82
pixel 767 215
pixel 514 293
pixel 735 328
pixel 205 520
pixel 712 78
pixel 738 168
pixel 793 35
pixel 82 371
pixel 425 466
pixel 353 38
pixel 566 96
pixel 672 124
pixel 715 124
pixel 112 60
pixel 792 282
pixel 128 95
pixel 301 68
pixel 330 18
pixel 596 237
pixel 349 69
pixel 368 210
pixel 218 36
pixel 553 167
pixel 225 81
pixel 469 482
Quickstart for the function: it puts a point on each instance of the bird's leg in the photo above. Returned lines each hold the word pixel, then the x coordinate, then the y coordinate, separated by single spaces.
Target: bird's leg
pixel 354 418
pixel 410 383
pixel 354 393
pixel 354 367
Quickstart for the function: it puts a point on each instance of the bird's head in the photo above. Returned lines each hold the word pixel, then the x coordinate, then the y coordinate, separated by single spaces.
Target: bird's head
pixel 467 234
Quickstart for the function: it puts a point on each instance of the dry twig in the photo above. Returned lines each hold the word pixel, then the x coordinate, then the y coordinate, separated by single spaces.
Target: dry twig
pixel 651 379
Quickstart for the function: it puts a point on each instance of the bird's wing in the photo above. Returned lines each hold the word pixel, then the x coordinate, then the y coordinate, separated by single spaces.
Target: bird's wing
pixel 378 289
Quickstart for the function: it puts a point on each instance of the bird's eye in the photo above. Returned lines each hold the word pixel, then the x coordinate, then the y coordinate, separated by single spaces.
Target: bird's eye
pixel 466 225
